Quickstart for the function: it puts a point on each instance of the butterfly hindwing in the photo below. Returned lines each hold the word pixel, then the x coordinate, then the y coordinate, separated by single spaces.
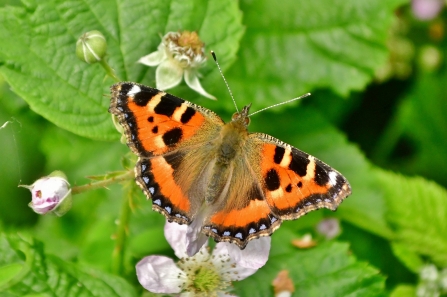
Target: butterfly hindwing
pixel 243 213
pixel 295 182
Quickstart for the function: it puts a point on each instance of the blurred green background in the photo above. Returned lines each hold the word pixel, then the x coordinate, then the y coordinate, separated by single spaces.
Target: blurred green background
pixel 377 73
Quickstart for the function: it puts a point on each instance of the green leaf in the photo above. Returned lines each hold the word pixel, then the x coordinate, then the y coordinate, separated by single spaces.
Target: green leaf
pixel 48 275
pixel 300 46
pixel 37 56
pixel 422 117
pixel 418 213
pixel 408 257
pixel 326 270
pixel 403 291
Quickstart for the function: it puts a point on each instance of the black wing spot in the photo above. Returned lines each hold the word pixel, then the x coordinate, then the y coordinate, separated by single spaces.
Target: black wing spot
pixel 321 175
pixel 187 115
pixel 150 119
pixel 279 154
pixel 289 188
pixel 168 104
pixel 143 98
pixel 125 88
pixel 272 180
pixel 155 130
pixel 299 162
pixel 172 136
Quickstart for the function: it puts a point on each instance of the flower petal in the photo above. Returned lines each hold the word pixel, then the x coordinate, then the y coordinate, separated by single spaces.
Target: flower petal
pixel 159 274
pixel 195 239
pixel 193 82
pixel 168 75
pixel 254 256
pixel 176 236
pixel 153 59
pixel 243 267
pixel 184 240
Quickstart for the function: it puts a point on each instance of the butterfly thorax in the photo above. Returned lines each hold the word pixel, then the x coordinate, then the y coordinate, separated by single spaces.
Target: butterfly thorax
pixel 229 147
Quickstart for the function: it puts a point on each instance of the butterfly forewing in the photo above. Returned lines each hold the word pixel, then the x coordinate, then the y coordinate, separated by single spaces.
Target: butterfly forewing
pixel 157 123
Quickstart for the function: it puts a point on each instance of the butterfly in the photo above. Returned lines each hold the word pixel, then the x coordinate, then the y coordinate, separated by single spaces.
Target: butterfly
pixel 194 166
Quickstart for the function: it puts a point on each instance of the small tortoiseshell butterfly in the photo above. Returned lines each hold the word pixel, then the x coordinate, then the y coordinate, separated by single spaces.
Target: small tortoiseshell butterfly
pixel 193 165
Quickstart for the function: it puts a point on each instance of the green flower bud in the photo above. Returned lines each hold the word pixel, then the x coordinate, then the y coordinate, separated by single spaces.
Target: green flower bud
pixel 91 47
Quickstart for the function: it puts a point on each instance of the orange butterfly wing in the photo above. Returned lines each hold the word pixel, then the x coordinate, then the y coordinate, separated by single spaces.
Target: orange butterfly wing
pixel 161 128
pixel 295 182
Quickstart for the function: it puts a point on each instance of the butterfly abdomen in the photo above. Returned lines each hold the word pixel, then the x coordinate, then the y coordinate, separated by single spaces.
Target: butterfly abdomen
pixel 228 147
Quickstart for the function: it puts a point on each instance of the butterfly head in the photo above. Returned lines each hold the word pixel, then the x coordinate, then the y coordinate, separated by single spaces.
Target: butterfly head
pixel 242 116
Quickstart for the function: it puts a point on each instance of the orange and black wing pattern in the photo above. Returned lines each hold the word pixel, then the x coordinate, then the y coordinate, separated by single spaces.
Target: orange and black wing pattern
pixel 164 131
pixel 295 182
pixel 156 122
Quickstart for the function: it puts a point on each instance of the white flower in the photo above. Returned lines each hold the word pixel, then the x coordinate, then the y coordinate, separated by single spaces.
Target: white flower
pixel 50 194
pixel 204 274
pixel 427 9
pixel 178 55
pixel 429 273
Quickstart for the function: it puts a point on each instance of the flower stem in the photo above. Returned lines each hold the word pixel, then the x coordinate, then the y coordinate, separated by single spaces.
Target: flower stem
pixel 122 230
pixel 127 175
pixel 109 70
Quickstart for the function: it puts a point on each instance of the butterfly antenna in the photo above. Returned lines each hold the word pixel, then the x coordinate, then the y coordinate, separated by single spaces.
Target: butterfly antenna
pixel 278 104
pixel 226 83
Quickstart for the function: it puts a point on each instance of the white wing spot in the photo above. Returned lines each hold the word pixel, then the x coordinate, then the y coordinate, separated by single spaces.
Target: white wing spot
pixel 135 89
pixel 333 178
pixel 158 202
pixel 152 190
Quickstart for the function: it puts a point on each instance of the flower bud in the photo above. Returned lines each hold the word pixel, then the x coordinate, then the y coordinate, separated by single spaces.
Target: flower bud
pixel 91 47
pixel 51 194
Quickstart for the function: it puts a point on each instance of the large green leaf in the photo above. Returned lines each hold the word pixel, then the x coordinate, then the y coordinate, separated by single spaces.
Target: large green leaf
pixel 422 119
pixel 38 60
pixel 300 46
pixel 418 213
pixel 26 270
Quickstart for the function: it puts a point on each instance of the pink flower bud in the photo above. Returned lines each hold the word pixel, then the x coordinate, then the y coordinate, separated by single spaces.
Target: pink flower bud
pixel 51 194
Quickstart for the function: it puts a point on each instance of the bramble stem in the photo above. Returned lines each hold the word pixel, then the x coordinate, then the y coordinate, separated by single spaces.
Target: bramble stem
pixel 102 183
pixel 122 229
